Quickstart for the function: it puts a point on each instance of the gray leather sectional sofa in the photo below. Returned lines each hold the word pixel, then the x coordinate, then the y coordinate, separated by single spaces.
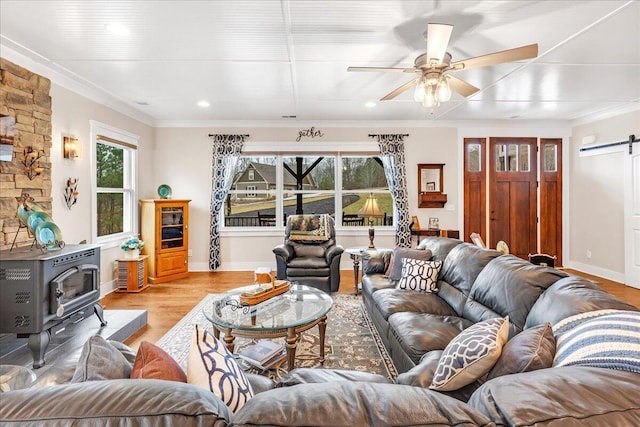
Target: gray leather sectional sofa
pixel 474 285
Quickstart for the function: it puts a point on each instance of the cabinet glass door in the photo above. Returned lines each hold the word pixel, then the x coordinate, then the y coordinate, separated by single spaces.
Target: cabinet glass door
pixel 172 227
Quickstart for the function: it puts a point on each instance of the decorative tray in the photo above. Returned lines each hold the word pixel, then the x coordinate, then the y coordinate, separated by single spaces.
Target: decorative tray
pixel 264 292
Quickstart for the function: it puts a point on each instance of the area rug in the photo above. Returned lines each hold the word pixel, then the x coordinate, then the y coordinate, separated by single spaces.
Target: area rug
pixel 351 340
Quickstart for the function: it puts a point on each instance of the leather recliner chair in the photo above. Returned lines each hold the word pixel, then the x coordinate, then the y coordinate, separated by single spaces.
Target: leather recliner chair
pixel 308 260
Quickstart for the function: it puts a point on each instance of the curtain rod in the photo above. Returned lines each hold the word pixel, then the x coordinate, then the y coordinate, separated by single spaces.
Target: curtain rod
pixel 630 141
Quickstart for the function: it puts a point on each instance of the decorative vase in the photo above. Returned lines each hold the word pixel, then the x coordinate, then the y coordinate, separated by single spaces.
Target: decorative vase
pixel 132 253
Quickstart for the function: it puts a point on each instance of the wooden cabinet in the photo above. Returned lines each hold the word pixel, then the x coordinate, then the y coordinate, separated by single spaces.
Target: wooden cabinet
pixel 164 228
pixel 133 274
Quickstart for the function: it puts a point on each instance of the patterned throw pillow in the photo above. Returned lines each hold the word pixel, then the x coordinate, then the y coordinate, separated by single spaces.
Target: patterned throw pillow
pixel 471 354
pixel 152 362
pixel 212 366
pixel 418 275
pixel 601 338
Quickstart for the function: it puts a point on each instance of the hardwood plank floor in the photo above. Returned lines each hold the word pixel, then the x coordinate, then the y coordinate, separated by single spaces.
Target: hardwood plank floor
pixel 167 303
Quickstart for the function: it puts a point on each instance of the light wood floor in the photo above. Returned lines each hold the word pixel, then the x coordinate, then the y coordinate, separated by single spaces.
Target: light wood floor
pixel 167 303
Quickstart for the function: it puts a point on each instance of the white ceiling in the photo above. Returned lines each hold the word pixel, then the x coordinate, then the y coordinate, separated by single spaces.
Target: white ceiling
pixel 264 59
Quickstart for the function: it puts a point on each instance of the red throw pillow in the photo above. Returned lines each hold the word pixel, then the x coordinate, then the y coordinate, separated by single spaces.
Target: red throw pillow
pixel 152 362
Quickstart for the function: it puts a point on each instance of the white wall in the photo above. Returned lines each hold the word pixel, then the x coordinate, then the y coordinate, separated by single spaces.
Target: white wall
pixel 597 196
pixel 71 116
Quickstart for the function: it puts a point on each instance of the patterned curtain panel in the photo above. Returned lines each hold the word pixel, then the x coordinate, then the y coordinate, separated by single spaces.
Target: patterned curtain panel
pixel 392 156
pixel 226 153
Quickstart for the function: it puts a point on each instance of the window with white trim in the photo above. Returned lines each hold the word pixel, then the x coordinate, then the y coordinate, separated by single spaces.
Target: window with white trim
pixel 115 196
pixel 288 184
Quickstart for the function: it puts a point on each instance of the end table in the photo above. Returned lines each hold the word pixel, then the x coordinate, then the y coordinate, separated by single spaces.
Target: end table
pixel 133 274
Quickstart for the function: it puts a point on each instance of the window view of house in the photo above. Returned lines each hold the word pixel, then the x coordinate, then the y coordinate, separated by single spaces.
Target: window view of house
pixel 267 188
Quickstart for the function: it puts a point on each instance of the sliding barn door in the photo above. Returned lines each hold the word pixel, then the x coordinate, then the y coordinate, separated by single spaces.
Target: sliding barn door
pixel 513 194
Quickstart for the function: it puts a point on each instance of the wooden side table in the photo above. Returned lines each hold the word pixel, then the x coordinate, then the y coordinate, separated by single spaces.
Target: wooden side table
pixel 133 275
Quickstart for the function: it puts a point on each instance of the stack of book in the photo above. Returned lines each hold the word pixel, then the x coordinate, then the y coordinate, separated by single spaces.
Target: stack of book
pixel 264 354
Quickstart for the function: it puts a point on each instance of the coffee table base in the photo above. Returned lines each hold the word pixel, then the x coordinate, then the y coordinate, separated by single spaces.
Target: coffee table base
pixel 292 337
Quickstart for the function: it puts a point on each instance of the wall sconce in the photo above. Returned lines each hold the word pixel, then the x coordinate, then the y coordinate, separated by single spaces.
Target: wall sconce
pixel 70 147
pixel 31 161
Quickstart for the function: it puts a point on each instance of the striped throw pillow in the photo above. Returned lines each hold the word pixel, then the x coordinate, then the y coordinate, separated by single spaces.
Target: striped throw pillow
pixel 602 338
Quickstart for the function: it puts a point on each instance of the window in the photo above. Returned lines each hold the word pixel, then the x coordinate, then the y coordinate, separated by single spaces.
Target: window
pixel 115 195
pixel 290 184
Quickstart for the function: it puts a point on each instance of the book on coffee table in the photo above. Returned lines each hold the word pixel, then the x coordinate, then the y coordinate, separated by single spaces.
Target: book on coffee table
pixel 262 353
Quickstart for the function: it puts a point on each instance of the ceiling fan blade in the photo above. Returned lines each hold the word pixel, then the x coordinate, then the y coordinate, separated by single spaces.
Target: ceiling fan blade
pixel 523 52
pixel 438 36
pixel 385 69
pixel 399 90
pixel 460 86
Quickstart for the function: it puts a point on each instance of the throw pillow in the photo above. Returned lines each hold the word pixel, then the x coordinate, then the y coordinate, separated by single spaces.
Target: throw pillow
pixel 399 253
pixel 152 362
pixel 418 275
pixel 99 361
pixel 212 366
pixel 308 227
pixel 530 350
pixel 471 354
pixel 602 339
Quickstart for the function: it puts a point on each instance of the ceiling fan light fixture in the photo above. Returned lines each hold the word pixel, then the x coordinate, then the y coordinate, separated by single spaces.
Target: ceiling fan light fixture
pixel 420 92
pixel 443 90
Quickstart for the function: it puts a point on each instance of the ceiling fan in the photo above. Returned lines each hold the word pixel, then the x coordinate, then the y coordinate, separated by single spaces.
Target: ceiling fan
pixel 435 81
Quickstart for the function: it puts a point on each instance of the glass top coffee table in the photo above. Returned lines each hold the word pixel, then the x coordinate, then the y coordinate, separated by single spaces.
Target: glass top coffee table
pixel 286 315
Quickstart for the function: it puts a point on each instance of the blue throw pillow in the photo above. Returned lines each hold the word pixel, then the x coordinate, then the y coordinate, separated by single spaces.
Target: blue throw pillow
pixel 601 338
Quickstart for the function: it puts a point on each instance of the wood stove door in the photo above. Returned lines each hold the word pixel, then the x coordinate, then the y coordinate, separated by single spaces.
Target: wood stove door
pixel 74 289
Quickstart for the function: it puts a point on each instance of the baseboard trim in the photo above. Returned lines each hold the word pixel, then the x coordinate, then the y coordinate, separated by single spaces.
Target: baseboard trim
pixel 597 271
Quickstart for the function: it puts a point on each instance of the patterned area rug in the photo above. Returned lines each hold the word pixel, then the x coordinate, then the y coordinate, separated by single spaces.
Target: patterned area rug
pixel 351 340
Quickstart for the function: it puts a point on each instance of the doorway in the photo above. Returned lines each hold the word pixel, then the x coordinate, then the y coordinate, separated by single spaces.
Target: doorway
pixel 513 193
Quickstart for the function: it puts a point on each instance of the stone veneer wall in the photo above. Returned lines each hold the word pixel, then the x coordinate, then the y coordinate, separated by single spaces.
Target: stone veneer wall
pixel 25 96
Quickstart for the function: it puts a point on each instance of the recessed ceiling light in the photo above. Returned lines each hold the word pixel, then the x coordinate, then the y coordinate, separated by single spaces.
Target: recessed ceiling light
pixel 370 104
pixel 203 104
pixel 117 29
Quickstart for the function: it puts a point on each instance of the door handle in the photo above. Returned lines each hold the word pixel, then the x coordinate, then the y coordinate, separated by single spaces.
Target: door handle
pixel 493 219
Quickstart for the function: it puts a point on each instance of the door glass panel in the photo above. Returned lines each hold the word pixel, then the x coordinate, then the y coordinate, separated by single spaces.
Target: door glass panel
pixel 550 158
pixel 474 158
pixel 524 158
pixel 501 158
pixel 513 158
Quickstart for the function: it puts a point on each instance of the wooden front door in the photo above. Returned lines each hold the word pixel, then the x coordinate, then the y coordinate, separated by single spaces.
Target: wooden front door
pixel 550 157
pixel 513 194
pixel 475 185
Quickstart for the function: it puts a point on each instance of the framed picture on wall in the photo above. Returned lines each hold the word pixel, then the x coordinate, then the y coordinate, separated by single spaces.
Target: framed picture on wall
pixel 416 222
pixel 434 223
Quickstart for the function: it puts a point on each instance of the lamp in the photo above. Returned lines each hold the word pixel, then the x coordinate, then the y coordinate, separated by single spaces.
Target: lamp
pixel 70 147
pixel 370 210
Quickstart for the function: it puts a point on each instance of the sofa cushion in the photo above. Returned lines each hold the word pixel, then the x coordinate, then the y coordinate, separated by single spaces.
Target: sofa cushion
pixel 100 361
pixel 399 254
pixel 302 250
pixel 389 301
pixel 212 366
pixel 152 362
pixel 114 403
pixel 471 354
pixel 530 350
pixel 463 265
pixel 418 275
pixel 603 338
pixel 574 396
pixel 353 403
pixel 314 375
pixel 419 333
pixel 572 295
pixel 439 246
pixel 509 286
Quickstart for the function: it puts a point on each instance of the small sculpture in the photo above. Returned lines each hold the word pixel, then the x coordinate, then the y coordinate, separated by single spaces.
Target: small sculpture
pixel 71 192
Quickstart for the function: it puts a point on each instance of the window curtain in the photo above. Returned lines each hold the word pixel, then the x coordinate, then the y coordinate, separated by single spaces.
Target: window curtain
pixel 226 153
pixel 392 156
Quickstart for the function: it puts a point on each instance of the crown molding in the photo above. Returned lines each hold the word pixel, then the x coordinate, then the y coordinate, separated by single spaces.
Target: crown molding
pixel 607 113
pixel 61 76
